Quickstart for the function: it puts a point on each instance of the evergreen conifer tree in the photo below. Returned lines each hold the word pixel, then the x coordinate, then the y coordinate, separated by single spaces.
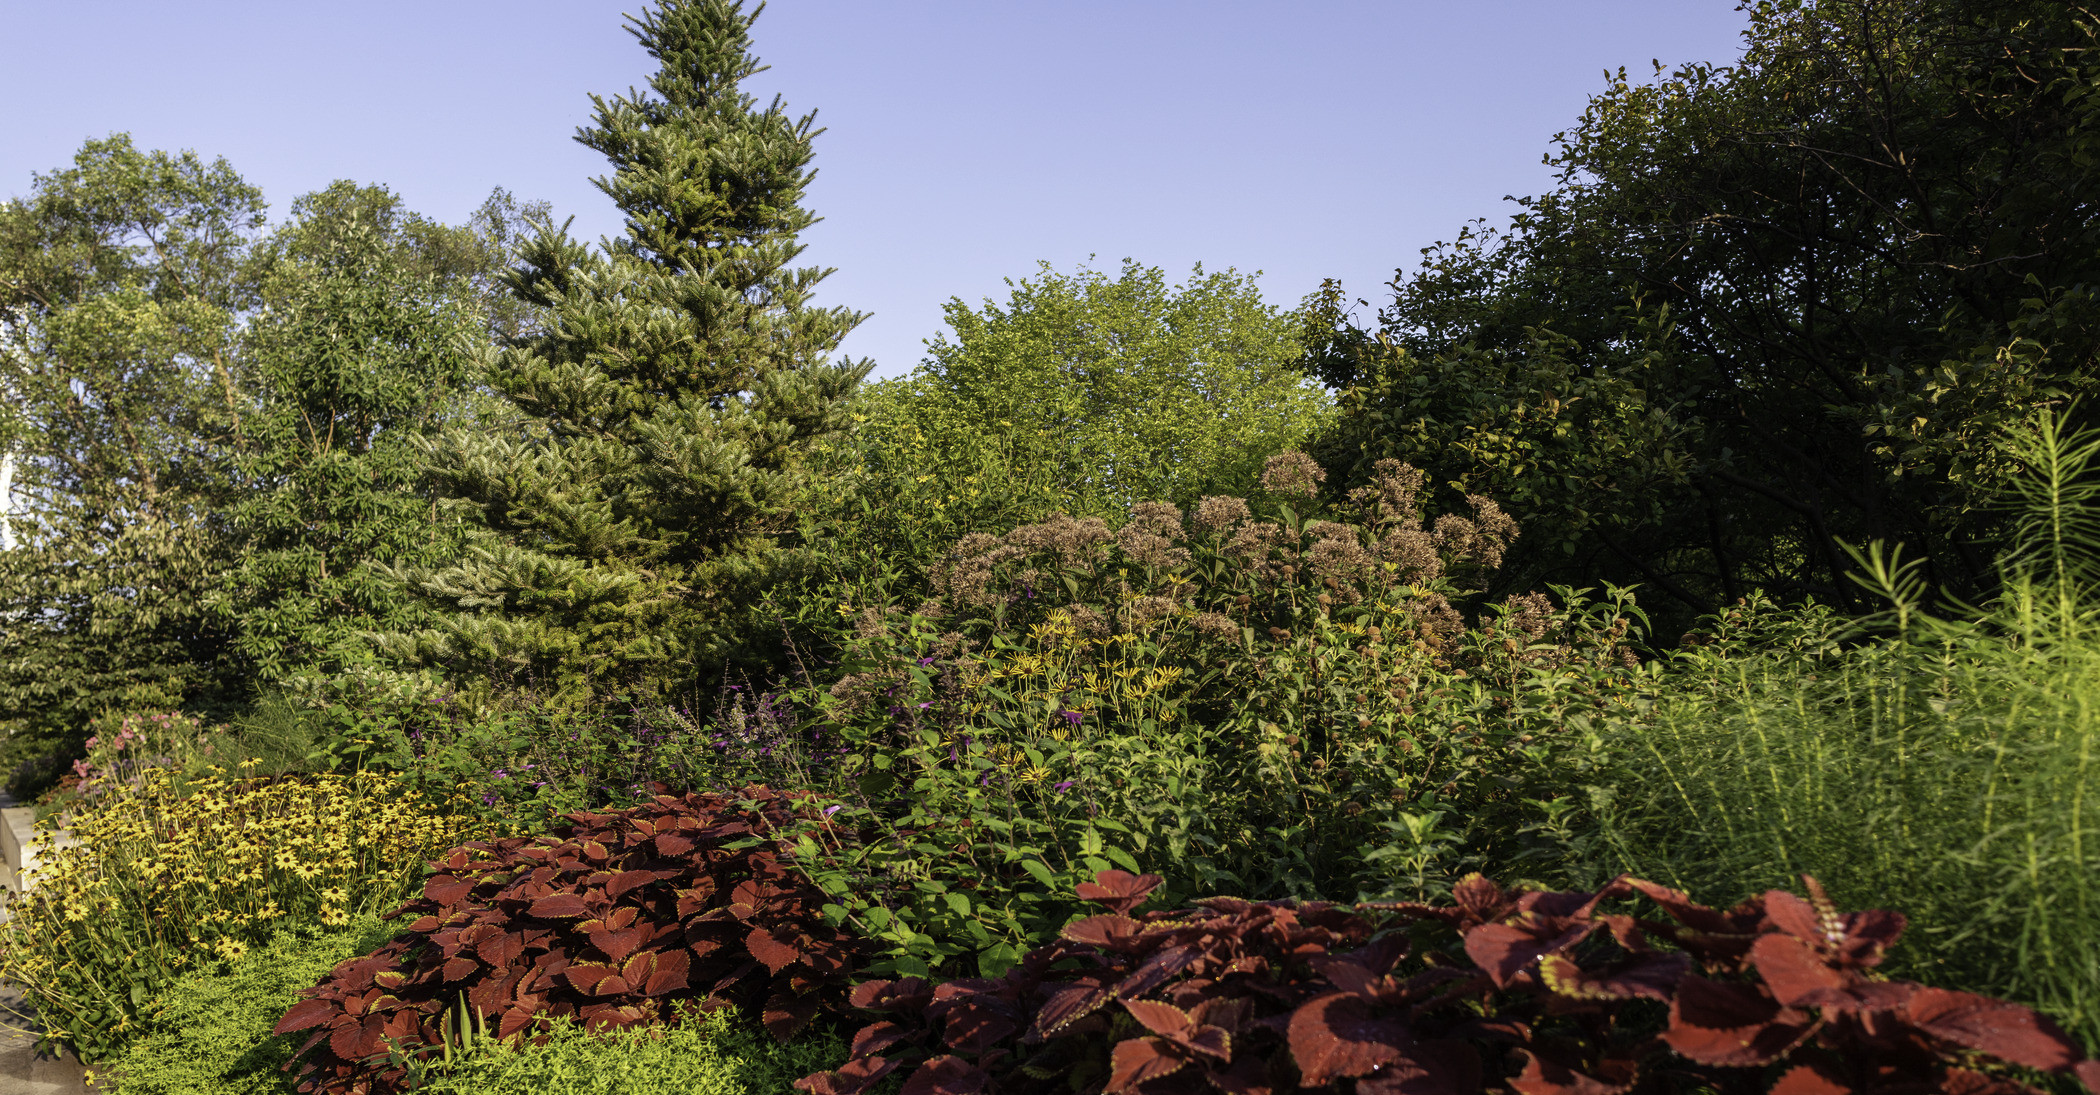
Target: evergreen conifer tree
pixel 623 527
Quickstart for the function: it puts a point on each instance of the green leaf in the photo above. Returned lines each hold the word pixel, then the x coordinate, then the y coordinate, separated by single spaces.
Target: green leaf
pixel 1041 873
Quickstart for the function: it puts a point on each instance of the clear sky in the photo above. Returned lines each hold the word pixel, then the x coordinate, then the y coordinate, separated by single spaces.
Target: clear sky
pixel 966 140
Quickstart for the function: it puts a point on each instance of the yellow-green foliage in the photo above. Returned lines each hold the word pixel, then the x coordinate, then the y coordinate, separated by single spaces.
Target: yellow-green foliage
pixel 169 873
pixel 211 1033
pixel 719 1054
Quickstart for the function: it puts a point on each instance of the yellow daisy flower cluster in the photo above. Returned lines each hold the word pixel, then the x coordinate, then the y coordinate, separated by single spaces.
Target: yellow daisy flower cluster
pixel 174 872
pixel 1069 675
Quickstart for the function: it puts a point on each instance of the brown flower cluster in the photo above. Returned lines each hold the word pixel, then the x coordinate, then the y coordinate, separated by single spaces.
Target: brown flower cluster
pixel 1292 473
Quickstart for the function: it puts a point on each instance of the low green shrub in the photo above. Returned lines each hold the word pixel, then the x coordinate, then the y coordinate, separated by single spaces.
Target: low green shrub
pixel 210 1035
pixel 720 1053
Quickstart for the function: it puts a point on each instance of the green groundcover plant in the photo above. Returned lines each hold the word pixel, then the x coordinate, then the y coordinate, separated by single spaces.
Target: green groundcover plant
pixel 210 1034
pixel 717 1054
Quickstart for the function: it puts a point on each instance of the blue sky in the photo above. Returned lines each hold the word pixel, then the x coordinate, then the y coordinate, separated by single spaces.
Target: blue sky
pixel 966 140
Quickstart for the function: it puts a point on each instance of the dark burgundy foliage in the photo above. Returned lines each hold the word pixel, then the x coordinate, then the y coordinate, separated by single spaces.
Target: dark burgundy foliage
pixel 608 921
pixel 1540 993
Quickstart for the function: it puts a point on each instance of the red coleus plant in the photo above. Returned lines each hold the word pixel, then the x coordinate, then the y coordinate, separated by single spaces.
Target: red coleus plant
pixel 1540 993
pixel 607 921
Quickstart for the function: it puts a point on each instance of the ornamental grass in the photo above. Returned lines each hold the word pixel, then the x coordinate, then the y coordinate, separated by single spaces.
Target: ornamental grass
pixel 171 874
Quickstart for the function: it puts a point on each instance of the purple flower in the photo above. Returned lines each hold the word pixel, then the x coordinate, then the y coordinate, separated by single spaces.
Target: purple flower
pixel 927 660
pixel 1065 786
pixel 1073 717
pixel 830 810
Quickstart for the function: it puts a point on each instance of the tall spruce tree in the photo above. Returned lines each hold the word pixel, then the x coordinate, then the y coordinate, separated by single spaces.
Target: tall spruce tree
pixel 625 526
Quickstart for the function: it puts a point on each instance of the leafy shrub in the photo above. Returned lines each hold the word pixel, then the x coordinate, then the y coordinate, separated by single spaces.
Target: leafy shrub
pixel 1257 702
pixel 168 874
pixel 37 774
pixel 609 921
pixel 210 1033
pixel 1548 993
pixel 707 1053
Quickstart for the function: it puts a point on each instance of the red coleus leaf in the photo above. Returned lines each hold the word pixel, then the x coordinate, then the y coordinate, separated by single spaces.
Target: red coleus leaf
pixel 2004 1030
pixel 628 880
pixel 851 1078
pixel 1108 930
pixel 1809 1080
pixel 357 1041
pixel 671 973
pixel 946 1075
pixel 1165 1020
pixel 306 1014
pixel 1504 950
pixel 785 1015
pixel 1545 1076
pixel 976 1027
pixel 1337 1035
pixel 1156 971
pixel 1478 898
pixel 560 906
pixel 1796 917
pixel 1653 976
pixel 777 949
pixel 1721 1024
pixel 588 975
pixel 1791 968
pixel 903 994
pixel 1136 1060
pixel 1067 1006
pixel 1363 971
pixel 1440 1067
pixel 460 967
pixel 746 898
pixel 1181 1029
pixel 616 945
pixel 501 949
pixel 877 1037
pixel 1120 891
pixel 447 890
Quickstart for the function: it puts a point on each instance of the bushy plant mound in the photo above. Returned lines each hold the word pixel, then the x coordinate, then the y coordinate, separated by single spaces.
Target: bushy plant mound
pixel 608 921
pixel 714 1054
pixel 171 873
pixel 211 1033
pixel 1258 702
pixel 1547 993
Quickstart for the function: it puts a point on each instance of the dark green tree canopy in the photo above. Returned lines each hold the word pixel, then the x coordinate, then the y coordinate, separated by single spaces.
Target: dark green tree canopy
pixel 623 525
pixel 364 342
pixel 1807 290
